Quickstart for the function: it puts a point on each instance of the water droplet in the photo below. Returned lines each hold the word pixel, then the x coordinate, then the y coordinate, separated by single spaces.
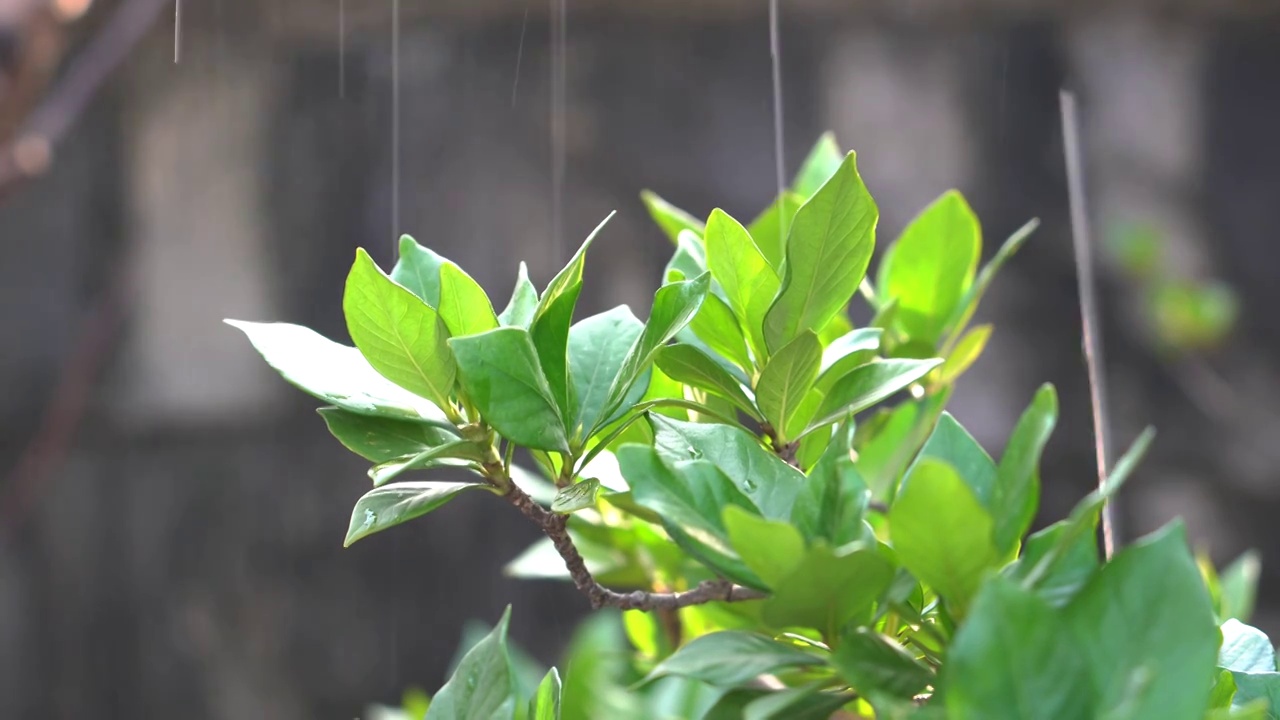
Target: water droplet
pixel 749 485
pixel 369 518
pixel 471 682
pixel 695 453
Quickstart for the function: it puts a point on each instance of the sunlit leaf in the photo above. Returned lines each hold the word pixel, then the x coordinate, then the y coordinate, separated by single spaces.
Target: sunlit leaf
pixel 392 505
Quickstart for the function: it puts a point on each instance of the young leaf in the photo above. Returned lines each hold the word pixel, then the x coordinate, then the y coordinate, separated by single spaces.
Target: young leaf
pixel 748 280
pixel 873 663
pixel 952 444
pixel 524 301
pixel 689 260
pixel 942 533
pixel 1017 488
pixel 337 374
pixel 381 439
pixel 576 497
pixel 716 326
pixel 787 379
pixel 386 507
pixel 850 345
pixel 1239 582
pixel 1077 564
pixel 732 658
pixel 827 254
pixel 464 306
pixel 483 686
pixel 965 354
pixel 673 306
pixel 969 303
pixel 418 270
pixel 400 335
pixel 598 346
pixel 500 373
pixel 822 162
pixel 546 703
pixel 931 265
pixel 770 548
pixel 769 230
pixel 441 455
pixel 691 366
pixel 828 587
pixel 867 385
pixel 670 218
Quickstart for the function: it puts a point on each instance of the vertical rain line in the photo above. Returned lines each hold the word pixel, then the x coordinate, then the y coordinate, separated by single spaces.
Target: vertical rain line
pixel 342 49
pixel 177 31
pixel 775 52
pixel 524 26
pixel 559 31
pixel 1081 238
pixel 395 123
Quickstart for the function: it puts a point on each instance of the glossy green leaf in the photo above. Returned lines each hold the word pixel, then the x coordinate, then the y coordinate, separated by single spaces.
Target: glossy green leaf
pixel 1015 658
pixel 770 229
pixel 822 162
pixel 674 305
pixel 847 352
pixel 337 374
pixel 1147 612
pixel 770 483
pixel 576 497
pixel 546 703
pixel 1017 489
pixel 1224 690
pixel 770 548
pixel 749 281
pixel 965 354
pixel 483 686
pixel 1239 582
pixel 952 444
pixel 400 335
pixel 455 453
pixel 464 306
pixel 1245 648
pixel 716 326
pixel 867 385
pixel 969 303
pixel 418 270
pixel 598 346
pixel 1077 564
pixel 691 366
pixel 501 375
pixel 524 302
pixel 380 438
pixel 873 663
pixel 732 658
pixel 942 533
pixel 931 265
pixel 828 251
pixel 786 380
pixel 689 260
pixel 828 587
pixel 670 218
pixel 831 504
pixel 392 505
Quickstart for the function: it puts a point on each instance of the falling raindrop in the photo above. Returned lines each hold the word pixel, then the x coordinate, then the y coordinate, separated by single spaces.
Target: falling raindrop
pixel 177 30
pixel 559 11
pixel 519 55
pixel 395 122
pixel 775 53
pixel 342 49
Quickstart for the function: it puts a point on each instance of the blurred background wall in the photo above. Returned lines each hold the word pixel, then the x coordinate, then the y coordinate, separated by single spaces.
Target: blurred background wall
pixel 172 513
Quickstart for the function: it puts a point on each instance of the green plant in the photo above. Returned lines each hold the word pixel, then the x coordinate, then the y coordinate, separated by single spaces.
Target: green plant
pixel 703 473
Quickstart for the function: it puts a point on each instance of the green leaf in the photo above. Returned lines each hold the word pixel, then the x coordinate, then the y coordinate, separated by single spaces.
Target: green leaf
pixel 942 533
pixel 691 366
pixel 598 346
pixel 500 373
pixel 969 303
pixel 1017 488
pixel 524 302
pixel 770 229
pixel 464 306
pixel 392 505
pixel 799 703
pixel 337 374
pixel 716 326
pixel 951 443
pixel 889 441
pixel 1240 586
pixel 931 265
pixel 770 548
pixel 822 162
pixel 847 352
pixel 448 454
pixel 689 260
pixel 1245 648
pixel 546 703
pixel 674 305
pixel 770 483
pixel 965 354
pixel 834 497
pixel 1259 692
pixel 786 380
pixel 828 587
pixel 483 686
pixel 828 251
pixel 867 385
pixel 689 497
pixel 1077 564
pixel 1014 657
pixel 400 335
pixel 418 270
pixel 576 497
pixel 873 663
pixel 670 218
pixel 379 438
pixel 748 280
pixel 732 658
pixel 1224 690
pixel 1147 613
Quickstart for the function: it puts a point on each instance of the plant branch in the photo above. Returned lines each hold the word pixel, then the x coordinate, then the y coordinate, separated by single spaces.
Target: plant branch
pixel 555 526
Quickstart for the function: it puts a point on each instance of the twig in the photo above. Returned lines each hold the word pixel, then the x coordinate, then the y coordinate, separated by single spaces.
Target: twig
pixel 1088 306
pixel 555 526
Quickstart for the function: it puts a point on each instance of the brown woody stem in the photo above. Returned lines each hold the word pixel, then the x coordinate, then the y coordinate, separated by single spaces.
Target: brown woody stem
pixel 555 526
